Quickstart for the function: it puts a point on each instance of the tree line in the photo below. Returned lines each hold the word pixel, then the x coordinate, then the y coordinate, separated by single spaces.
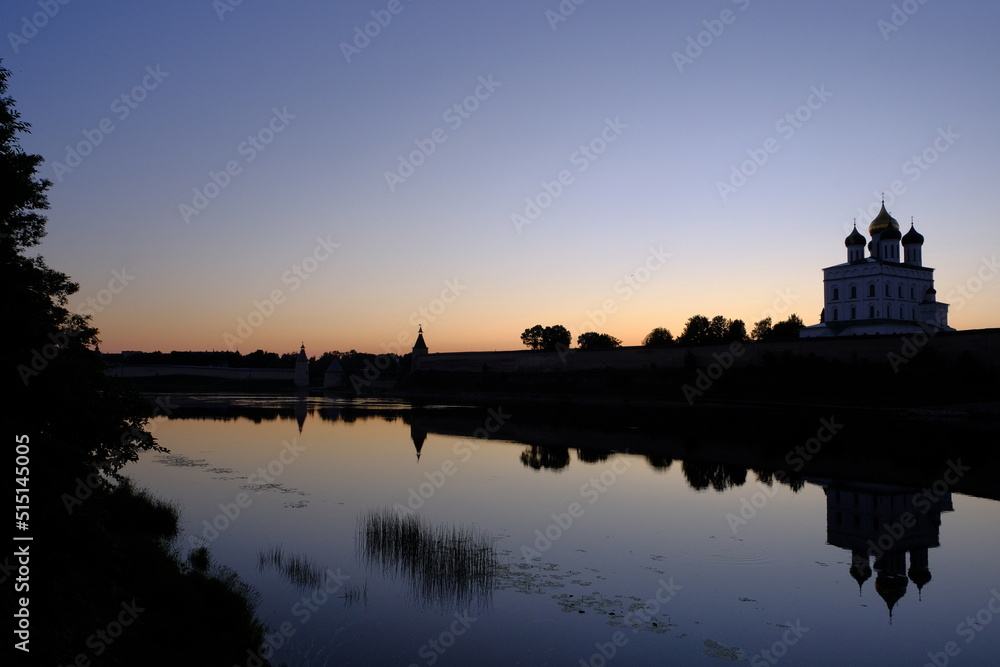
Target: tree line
pixel 699 330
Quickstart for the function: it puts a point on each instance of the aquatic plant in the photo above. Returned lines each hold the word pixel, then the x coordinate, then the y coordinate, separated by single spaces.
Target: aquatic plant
pixel 446 566
pixel 296 568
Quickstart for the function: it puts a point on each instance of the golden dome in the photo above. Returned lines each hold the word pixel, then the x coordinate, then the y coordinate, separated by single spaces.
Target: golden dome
pixel 882 222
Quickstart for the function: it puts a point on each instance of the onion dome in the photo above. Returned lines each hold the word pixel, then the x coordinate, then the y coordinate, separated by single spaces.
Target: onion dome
pixel 913 237
pixel 882 222
pixel 890 233
pixel 855 238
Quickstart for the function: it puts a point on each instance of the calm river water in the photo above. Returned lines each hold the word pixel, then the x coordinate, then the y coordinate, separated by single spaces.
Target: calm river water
pixel 579 548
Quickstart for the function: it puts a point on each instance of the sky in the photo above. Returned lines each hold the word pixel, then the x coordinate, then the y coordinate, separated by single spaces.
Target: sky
pixel 246 174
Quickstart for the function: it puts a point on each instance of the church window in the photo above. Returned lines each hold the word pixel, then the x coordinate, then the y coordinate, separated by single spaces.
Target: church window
pixel 854 313
pixel 888 311
pixel 871 289
pixel 836 315
pixel 871 312
pixel 911 292
pixel 900 292
pixel 854 292
pixel 836 294
pixel 887 290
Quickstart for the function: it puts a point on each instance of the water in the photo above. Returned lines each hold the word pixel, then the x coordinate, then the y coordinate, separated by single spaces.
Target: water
pixel 593 547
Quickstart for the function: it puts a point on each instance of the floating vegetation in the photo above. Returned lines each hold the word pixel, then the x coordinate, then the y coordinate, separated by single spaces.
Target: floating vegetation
pixel 714 649
pixel 179 461
pixel 352 594
pixel 446 566
pixel 296 568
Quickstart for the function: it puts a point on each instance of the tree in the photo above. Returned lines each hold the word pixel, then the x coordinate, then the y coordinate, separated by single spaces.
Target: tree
pixel 56 380
pixel 546 338
pixel 533 337
pixel 696 331
pixel 592 340
pixel 658 337
pixel 762 329
pixel 717 329
pixel 787 329
pixel 736 332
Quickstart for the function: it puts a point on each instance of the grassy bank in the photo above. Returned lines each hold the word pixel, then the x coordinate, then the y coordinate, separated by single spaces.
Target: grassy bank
pixel 109 588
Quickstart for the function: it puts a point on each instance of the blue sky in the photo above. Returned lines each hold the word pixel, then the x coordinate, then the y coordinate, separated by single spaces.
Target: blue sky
pixel 691 157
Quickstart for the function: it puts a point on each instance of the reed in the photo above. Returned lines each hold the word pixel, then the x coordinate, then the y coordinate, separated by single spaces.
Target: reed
pixel 296 568
pixel 445 565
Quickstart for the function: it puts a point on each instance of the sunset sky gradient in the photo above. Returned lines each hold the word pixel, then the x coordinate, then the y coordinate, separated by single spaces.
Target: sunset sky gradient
pixel 619 122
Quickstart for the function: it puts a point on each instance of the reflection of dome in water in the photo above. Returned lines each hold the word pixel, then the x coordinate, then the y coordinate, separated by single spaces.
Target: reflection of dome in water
pixel 890 587
pixel 861 570
pixel 882 222
pixel 921 576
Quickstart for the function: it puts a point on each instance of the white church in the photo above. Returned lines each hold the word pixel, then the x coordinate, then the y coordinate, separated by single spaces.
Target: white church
pixel 883 293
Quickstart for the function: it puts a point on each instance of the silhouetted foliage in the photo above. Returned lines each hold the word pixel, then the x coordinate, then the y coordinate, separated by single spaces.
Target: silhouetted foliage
pixel 658 337
pixel 111 543
pixel 592 340
pixel 56 379
pixel 546 338
pixel 787 329
pixel 761 329
pixel 720 476
pixel 553 458
pixel 699 330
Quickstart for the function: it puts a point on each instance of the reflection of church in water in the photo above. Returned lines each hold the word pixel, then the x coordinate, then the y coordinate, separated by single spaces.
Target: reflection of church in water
pixel 885 523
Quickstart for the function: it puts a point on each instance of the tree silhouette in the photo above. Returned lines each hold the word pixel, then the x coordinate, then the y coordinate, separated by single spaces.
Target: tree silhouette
pixel 696 331
pixel 787 329
pixel 546 338
pixel 597 341
pixel 56 380
pixel 762 329
pixel 658 337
